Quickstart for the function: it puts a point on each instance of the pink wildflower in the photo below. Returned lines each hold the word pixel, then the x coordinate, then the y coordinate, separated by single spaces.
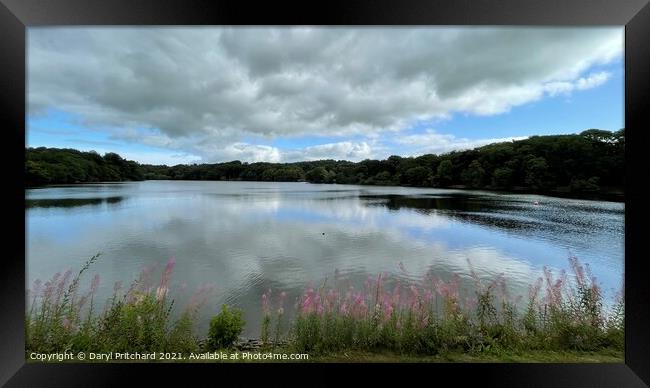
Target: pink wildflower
pixel 344 309
pixel 161 292
pixel 318 304
pixel 388 311
pixel 396 293
pixel 307 304
pixel 428 296
pixel 167 273
pixel 67 324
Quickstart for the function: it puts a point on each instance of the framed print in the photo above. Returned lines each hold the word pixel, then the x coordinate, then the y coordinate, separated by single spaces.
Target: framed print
pixel 450 189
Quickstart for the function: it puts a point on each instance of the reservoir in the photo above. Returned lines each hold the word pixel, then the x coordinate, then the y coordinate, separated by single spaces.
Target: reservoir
pixel 241 239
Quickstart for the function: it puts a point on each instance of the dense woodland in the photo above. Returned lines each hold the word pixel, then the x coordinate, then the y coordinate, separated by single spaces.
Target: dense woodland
pixel 589 162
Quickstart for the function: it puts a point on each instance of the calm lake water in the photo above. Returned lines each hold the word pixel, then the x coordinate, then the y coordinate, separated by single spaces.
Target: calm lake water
pixel 247 237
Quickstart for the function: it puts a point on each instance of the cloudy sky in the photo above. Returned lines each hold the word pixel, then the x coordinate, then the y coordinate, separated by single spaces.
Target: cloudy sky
pixel 186 95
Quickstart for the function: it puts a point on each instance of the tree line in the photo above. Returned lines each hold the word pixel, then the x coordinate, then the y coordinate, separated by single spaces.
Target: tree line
pixel 592 161
pixel 45 166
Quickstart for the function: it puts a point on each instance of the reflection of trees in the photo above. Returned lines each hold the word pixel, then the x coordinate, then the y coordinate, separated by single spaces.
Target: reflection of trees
pixel 427 204
pixel 71 202
pixel 483 212
pixel 501 214
pixel 112 200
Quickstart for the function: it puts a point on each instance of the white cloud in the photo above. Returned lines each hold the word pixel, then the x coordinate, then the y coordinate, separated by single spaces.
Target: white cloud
pixel 433 142
pixel 591 81
pixel 160 157
pixel 206 90
pixel 244 152
pixel 345 150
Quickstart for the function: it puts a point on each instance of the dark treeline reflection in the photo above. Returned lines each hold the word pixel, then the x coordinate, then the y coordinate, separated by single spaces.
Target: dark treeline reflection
pixel 424 204
pixel 589 164
pixel 498 212
pixel 71 202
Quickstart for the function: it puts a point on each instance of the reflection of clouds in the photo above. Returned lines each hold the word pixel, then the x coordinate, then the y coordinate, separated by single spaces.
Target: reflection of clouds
pixel 281 236
pixel 353 210
pixel 217 229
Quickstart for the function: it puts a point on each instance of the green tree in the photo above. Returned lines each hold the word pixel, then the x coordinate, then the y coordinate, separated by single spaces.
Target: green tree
pixel 502 177
pixel 36 174
pixel 588 161
pixel 474 175
pixel 225 328
pixel 320 175
pixel 445 172
pixel 418 176
pixel 599 135
pixel 536 173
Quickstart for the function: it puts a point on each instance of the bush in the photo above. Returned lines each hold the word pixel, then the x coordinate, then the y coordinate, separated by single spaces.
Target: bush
pixel 140 326
pixel 225 328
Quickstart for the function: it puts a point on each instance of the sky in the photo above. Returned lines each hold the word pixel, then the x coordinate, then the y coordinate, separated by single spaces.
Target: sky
pixel 174 95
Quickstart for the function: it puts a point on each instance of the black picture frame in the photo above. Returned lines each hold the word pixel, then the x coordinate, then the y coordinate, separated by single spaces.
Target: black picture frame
pixel 18 15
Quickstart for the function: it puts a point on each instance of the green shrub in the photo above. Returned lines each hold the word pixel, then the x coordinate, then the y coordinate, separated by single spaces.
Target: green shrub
pixel 225 328
pixel 182 338
pixel 139 326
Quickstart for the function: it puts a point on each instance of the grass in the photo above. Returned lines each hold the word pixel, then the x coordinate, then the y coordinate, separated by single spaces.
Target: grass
pixel 563 320
pixel 140 319
pixel 431 318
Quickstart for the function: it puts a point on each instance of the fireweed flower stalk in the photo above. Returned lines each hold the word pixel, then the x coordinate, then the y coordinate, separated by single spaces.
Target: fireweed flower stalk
pixel 269 311
pixel 52 318
pixel 428 317
pixel 137 320
pixel 162 289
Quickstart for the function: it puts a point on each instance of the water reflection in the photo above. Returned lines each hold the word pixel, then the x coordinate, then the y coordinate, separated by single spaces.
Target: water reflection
pixel 71 202
pixel 567 222
pixel 247 237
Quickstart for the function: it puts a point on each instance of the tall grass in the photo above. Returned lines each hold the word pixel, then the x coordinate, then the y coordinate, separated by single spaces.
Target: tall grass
pixel 562 312
pixel 61 317
pixel 432 318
